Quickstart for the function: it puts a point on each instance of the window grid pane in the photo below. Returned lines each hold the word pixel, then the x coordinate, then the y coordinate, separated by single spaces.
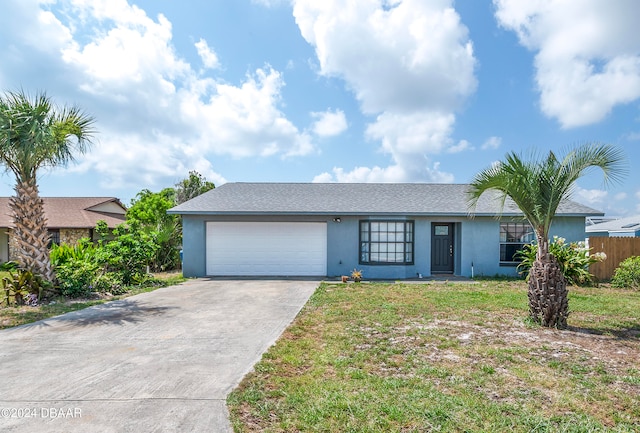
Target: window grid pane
pixel 386 242
pixel 54 237
pixel 513 238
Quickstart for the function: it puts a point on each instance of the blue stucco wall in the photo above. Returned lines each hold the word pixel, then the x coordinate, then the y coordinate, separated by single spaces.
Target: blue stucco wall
pixel 481 240
pixel 343 252
pixel 477 248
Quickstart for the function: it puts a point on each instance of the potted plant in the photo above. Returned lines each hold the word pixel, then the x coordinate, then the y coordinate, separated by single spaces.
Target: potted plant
pixel 356 275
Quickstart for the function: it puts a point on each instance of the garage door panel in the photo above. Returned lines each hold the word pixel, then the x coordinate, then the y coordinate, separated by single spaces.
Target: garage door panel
pixel 266 248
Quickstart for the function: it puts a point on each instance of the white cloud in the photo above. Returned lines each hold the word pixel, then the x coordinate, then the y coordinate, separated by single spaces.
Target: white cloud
pixel 157 164
pixel 492 143
pixel 392 174
pixel 243 121
pixel 208 55
pixel 329 123
pixel 157 116
pixel 409 139
pixel 414 56
pixel 460 147
pixel 587 54
pixel 411 134
pixel 125 44
pixel 364 174
pixel 620 196
pixel 410 65
pixel 590 196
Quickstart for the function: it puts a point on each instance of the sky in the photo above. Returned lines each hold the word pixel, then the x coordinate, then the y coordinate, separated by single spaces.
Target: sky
pixel 328 91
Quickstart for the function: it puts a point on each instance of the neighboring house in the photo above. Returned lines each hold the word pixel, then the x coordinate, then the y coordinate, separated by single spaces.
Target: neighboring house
pixel 393 231
pixel 623 227
pixel 68 218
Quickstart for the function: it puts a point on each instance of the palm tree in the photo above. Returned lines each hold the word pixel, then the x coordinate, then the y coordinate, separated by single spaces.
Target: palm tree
pixel 537 187
pixel 34 133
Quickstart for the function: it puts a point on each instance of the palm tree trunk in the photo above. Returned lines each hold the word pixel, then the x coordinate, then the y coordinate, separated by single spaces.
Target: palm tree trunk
pixel 30 230
pixel 548 294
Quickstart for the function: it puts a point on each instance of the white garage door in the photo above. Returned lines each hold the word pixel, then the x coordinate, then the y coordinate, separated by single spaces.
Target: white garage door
pixel 266 248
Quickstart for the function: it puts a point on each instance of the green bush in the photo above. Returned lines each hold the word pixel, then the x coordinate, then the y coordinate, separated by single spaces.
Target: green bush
pixel 127 255
pixel 81 278
pixel 148 215
pixel 75 267
pixel 627 274
pixel 22 288
pixel 9 266
pixel 118 261
pixel 63 253
pixel 76 277
pixel 109 283
pixel 574 260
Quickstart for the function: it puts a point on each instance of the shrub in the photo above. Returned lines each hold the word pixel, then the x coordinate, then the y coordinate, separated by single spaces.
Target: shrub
pixel 109 283
pixel 119 260
pixel 627 274
pixel 9 266
pixel 63 253
pixel 126 255
pixel 76 277
pixel 574 260
pixel 76 267
pixel 148 214
pixel 22 288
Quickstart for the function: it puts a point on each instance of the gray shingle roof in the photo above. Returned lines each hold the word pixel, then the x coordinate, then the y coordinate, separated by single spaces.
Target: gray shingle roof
pixel 623 225
pixel 352 199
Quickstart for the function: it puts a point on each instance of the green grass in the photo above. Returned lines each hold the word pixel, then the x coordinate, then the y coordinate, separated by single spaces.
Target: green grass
pixel 450 358
pixel 15 316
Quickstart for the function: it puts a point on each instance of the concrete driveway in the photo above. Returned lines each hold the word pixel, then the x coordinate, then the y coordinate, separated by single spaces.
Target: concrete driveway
pixel 163 361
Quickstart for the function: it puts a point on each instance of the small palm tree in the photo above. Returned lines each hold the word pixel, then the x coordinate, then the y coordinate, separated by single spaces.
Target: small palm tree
pixel 537 187
pixel 34 133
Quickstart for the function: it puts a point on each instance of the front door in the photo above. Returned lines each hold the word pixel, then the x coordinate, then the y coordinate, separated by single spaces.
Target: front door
pixel 442 248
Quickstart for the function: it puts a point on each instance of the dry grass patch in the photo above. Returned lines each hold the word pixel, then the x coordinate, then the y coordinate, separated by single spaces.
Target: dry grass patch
pixel 447 357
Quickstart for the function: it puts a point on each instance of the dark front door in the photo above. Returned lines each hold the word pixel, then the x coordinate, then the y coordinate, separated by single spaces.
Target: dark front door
pixel 442 248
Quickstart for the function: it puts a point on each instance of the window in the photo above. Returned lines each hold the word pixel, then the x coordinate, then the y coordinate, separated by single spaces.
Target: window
pixel 55 237
pixel 386 242
pixel 513 237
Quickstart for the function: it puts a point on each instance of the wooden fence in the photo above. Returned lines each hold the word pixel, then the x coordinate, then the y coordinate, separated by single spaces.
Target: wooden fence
pixel 616 249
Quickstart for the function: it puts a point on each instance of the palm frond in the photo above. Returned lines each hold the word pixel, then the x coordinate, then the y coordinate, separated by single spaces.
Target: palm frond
pixel 34 133
pixel 539 185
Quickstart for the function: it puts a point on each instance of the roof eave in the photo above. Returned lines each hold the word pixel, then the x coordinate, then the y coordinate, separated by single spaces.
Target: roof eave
pixel 343 213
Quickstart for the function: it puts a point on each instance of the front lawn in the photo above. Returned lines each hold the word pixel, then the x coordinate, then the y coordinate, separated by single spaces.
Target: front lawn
pixel 447 357
pixel 15 316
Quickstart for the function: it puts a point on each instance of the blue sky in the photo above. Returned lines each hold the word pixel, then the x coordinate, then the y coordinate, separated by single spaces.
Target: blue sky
pixel 331 91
